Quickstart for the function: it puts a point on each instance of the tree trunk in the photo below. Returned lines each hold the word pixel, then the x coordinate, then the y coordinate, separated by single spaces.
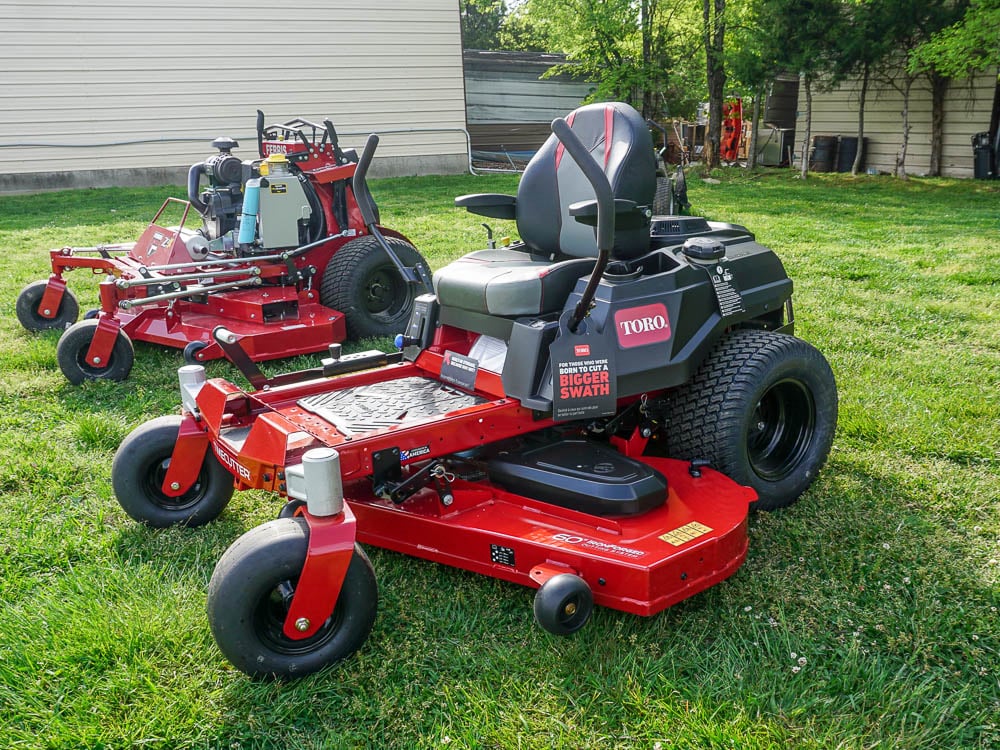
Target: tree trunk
pixel 807 85
pixel 646 25
pixel 866 73
pixel 754 118
pixel 900 171
pixel 939 87
pixel 714 31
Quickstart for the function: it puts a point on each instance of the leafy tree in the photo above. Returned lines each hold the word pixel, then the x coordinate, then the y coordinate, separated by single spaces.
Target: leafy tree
pixel 916 22
pixel 864 43
pixel 749 62
pixel 971 44
pixel 713 29
pixel 481 23
pixel 638 51
pixel 800 36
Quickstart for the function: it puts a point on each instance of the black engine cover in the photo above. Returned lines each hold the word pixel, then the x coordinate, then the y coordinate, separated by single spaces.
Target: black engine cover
pixel 581 475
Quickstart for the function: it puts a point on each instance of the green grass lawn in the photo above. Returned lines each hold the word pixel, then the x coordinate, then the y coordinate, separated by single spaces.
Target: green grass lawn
pixel 865 615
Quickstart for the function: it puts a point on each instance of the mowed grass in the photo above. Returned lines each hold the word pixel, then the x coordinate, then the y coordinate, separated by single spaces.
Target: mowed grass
pixel 865 616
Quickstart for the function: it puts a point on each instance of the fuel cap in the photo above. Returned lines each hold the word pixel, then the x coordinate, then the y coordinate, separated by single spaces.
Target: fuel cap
pixel 704 249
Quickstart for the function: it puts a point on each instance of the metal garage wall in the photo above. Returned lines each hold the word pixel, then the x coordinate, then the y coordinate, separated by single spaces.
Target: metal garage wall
pixel 509 105
pixel 133 91
pixel 968 105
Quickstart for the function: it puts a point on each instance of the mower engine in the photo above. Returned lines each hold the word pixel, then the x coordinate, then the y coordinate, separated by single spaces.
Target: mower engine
pixel 279 201
pixel 250 207
pixel 221 203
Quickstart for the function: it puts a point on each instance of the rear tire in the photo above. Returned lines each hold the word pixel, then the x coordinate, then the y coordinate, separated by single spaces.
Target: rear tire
pixel 662 200
pixel 29 315
pixel 250 592
pixel 71 354
pixel 363 283
pixel 762 408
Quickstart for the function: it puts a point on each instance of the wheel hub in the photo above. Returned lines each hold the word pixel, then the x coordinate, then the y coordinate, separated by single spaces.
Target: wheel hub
pixel 782 426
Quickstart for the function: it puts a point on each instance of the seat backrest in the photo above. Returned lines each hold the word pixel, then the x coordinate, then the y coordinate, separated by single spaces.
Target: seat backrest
pixel 619 140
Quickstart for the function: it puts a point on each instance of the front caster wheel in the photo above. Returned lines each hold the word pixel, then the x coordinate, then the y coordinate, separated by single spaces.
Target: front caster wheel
pixel 250 593
pixel 191 352
pixel 33 319
pixel 71 354
pixel 563 604
pixel 137 476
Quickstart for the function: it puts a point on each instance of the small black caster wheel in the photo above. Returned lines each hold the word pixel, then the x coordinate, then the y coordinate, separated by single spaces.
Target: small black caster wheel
pixel 563 604
pixel 138 470
pixel 91 314
pixel 71 354
pixel 289 509
pixel 34 319
pixel 191 352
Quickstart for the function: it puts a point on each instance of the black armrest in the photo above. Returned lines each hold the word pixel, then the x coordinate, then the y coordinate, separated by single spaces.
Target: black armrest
pixel 628 215
pixel 494 205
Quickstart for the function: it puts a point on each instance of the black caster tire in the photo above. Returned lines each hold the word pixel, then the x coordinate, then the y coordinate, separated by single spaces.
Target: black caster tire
pixel 92 314
pixel 563 604
pixel 250 592
pixel 289 509
pixel 361 282
pixel 71 354
pixel 27 303
pixel 191 352
pixel 137 475
pixel 762 409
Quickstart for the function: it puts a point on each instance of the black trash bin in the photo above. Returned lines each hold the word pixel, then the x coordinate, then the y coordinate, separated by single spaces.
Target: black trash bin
pixel 982 157
pixel 847 151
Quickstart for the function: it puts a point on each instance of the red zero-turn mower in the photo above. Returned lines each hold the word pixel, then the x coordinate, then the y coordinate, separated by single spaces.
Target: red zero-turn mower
pixel 517 432
pixel 289 258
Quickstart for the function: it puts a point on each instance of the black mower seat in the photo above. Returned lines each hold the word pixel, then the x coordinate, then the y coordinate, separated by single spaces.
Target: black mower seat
pixel 508 282
pixel 536 278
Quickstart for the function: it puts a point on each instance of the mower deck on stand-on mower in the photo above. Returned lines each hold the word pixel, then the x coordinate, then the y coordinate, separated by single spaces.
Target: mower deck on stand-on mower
pixel 519 431
pixel 289 258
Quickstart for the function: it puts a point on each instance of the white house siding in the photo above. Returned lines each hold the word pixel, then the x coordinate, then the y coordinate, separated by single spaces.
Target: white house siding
pixel 162 79
pixel 967 108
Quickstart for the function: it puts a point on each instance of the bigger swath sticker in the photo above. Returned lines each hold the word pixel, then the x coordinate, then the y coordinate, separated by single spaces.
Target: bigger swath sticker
pixel 584 383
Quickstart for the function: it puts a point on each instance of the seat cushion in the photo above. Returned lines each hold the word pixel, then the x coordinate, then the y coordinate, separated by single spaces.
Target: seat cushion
pixel 508 282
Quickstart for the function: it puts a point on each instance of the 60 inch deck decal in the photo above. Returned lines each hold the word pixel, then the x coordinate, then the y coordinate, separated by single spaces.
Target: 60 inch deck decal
pixel 598 546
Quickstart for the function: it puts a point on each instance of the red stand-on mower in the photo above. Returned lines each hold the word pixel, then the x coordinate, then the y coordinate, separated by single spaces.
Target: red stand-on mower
pixel 289 258
pixel 518 431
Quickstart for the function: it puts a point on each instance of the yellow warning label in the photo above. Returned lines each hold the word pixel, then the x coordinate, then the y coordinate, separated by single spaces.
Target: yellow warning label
pixel 685 533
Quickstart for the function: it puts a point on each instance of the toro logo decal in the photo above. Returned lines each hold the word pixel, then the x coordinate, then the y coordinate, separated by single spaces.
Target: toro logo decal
pixel 640 326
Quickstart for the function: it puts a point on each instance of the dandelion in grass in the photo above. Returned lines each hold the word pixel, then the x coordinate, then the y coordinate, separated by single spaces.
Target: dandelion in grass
pixel 796 669
pixel 802 661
